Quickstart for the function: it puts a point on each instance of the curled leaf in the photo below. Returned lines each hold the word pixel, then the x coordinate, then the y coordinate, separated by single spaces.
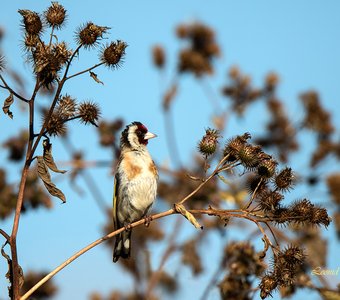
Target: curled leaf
pixel 181 209
pixel 48 158
pixel 9 274
pixel 8 102
pixel 95 78
pixel 46 178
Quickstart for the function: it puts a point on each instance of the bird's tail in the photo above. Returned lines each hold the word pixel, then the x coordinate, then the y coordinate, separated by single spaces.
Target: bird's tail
pixel 122 247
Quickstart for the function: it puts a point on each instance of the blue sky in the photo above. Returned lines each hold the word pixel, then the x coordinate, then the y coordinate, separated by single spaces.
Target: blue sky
pixel 298 39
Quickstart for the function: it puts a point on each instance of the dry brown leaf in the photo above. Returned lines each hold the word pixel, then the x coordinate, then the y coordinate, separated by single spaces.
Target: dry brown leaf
pixel 48 158
pixel 8 102
pixel 181 209
pixel 46 178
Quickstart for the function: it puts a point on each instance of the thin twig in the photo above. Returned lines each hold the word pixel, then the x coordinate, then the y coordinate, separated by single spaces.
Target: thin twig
pixel 6 86
pixel 84 71
pixel 5 235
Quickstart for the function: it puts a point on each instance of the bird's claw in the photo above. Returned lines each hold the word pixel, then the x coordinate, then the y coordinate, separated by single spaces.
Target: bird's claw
pixel 147 220
pixel 127 227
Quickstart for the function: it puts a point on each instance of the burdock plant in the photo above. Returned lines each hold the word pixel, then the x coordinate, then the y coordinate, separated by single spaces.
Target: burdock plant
pixel 51 60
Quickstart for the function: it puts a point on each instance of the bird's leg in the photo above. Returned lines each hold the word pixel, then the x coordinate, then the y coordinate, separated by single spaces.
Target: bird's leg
pixel 147 220
pixel 127 226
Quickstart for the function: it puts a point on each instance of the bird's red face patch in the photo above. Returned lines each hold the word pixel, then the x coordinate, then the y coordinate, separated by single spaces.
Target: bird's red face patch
pixel 141 131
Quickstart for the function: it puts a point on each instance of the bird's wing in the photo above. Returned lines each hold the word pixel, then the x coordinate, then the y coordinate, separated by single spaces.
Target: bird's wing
pixel 115 198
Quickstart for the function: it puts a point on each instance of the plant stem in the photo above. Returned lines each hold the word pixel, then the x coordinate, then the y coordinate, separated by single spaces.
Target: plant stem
pixel 16 270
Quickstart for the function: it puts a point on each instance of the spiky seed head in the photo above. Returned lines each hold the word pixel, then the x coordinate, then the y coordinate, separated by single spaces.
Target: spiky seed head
pixel 89 112
pixel 113 54
pixel 293 256
pixel 55 15
pixel 67 106
pixel 302 210
pixel 249 156
pixel 208 143
pixel 320 217
pixel 255 183
pixel 269 201
pixel 32 22
pixel 268 284
pixel 56 125
pixel 267 168
pixel 234 145
pixel 284 180
pixel 30 41
pixel 89 34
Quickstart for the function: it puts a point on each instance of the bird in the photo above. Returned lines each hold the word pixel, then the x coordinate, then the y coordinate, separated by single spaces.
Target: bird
pixel 135 184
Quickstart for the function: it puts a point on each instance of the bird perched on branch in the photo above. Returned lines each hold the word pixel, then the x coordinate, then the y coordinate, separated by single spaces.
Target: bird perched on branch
pixel 135 184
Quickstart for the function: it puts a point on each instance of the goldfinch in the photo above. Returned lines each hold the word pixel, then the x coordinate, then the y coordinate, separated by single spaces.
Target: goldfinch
pixel 135 184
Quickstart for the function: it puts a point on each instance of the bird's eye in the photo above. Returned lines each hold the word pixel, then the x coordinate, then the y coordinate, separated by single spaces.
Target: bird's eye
pixel 138 132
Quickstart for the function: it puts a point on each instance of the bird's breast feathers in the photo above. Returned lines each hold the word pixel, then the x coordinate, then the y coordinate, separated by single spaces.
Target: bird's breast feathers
pixel 138 179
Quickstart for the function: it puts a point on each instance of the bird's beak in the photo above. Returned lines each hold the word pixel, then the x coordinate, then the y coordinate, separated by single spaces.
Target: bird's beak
pixel 149 135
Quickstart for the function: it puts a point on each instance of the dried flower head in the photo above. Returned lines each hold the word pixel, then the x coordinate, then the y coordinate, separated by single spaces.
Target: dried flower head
pixel 66 107
pixel 320 217
pixel 113 54
pixel 55 15
pixel 234 146
pixel 269 201
pixel 301 210
pixel 249 156
pixel 56 125
pixel 197 57
pixel 208 144
pixel 158 55
pixel 267 168
pixel 32 22
pixel 48 61
pixel 268 284
pixel 284 180
pixel 89 34
pixel 89 112
pixel 195 62
pixel 30 41
pixel 255 184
